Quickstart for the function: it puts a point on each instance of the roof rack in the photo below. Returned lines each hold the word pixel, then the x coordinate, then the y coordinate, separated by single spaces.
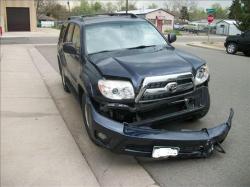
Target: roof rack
pixel 108 14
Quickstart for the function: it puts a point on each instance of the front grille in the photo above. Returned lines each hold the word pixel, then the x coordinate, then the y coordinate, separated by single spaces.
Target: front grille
pixel 156 88
pixel 157 84
pixel 162 96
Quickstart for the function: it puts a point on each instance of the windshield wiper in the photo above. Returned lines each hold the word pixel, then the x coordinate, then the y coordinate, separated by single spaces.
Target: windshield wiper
pixel 141 46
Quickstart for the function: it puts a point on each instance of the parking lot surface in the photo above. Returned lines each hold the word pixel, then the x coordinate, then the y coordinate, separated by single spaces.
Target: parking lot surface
pixel 229 87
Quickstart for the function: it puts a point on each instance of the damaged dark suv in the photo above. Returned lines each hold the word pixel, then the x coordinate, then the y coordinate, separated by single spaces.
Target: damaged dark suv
pixel 128 79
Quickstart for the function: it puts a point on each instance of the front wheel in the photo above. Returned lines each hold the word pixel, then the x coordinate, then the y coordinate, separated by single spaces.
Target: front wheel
pixel 247 53
pixel 202 113
pixel 231 48
pixel 87 118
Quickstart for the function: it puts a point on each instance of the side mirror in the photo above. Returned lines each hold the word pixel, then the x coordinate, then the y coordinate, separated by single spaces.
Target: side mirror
pixel 171 37
pixel 69 48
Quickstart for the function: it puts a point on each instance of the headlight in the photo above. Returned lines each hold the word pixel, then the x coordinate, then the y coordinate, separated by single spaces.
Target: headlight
pixel 116 90
pixel 202 75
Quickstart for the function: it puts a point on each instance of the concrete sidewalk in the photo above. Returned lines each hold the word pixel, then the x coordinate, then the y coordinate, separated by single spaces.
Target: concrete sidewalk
pixel 36 147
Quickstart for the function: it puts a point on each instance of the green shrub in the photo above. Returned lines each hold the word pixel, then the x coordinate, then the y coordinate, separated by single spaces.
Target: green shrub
pixel 172 31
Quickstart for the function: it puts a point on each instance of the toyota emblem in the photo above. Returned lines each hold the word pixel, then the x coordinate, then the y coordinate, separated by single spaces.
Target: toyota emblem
pixel 171 87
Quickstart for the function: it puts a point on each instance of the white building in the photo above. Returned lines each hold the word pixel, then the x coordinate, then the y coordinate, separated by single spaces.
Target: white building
pixel 159 17
pixel 227 27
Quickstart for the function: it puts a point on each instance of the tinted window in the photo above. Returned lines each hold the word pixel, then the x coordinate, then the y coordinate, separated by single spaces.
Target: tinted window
pixel 63 30
pixel 76 37
pixel 69 33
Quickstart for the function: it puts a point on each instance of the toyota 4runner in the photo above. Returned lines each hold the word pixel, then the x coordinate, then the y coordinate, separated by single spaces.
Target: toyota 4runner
pixel 128 79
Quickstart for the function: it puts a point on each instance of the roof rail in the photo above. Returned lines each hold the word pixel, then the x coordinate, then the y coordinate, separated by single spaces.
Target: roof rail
pixel 108 14
pixel 123 14
pixel 74 17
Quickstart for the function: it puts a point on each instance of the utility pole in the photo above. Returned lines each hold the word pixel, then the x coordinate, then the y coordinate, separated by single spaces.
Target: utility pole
pixel 126 6
pixel 208 33
pixel 68 5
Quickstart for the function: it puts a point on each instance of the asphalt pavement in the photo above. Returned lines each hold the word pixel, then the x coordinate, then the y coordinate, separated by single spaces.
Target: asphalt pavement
pixel 229 87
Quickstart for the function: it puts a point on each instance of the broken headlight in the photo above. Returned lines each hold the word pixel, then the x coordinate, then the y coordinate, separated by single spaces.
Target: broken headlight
pixel 202 75
pixel 116 90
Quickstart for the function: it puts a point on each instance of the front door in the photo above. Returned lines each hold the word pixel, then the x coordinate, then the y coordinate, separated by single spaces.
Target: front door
pixel 159 24
pixel 73 61
pixel 66 57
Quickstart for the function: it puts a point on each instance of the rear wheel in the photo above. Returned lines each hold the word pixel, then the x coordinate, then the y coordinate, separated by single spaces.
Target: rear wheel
pixel 64 83
pixel 231 48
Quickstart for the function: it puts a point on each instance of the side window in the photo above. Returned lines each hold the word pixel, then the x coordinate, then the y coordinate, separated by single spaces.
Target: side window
pixel 70 30
pixel 76 37
pixel 62 33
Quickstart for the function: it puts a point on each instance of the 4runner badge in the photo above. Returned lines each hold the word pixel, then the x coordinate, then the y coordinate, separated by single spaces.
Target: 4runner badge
pixel 171 87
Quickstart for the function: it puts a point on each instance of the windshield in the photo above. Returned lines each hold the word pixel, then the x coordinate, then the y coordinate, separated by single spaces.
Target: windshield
pixel 121 35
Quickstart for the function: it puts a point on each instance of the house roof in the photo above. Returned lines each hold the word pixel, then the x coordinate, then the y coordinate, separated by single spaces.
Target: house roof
pixel 143 11
pixel 43 17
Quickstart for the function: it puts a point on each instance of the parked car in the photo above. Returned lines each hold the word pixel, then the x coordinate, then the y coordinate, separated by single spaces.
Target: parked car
pixel 128 79
pixel 236 43
pixel 178 26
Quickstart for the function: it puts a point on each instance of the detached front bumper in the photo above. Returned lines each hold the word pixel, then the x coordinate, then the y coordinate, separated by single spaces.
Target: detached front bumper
pixel 140 140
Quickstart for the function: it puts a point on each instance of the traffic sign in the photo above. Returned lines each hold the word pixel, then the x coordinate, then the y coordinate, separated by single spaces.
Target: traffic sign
pixel 210 10
pixel 210 18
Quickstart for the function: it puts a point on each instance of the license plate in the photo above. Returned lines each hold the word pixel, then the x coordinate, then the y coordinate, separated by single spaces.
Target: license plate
pixel 159 152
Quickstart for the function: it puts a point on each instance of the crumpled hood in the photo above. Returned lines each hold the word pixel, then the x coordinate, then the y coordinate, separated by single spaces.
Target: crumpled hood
pixel 137 66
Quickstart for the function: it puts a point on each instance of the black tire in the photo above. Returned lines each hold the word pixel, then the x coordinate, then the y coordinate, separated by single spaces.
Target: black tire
pixel 247 53
pixel 199 115
pixel 231 48
pixel 85 108
pixel 64 82
pixel 202 113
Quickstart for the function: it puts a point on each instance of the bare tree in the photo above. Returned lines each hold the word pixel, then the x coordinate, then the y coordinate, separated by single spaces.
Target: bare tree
pixel 176 5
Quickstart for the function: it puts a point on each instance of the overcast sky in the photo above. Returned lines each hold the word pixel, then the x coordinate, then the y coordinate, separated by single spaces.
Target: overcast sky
pixel 160 3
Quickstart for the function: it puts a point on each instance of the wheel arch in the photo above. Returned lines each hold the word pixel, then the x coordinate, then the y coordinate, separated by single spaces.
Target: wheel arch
pixel 229 42
pixel 84 89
